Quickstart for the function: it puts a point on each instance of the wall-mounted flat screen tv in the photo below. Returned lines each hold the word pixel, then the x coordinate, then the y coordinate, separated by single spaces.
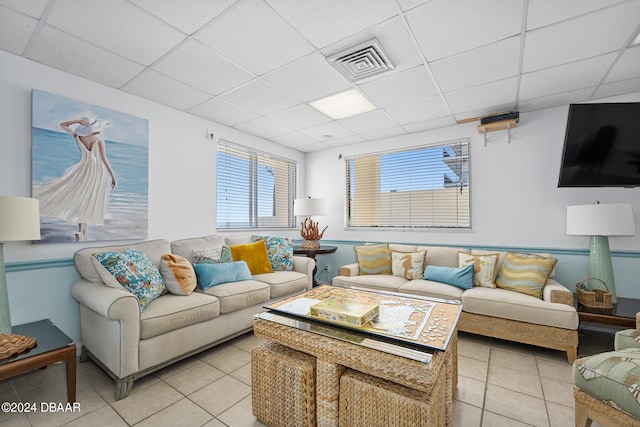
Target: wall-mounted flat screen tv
pixel 602 146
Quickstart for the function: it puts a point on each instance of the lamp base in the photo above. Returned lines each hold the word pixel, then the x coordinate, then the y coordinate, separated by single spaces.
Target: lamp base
pixel 600 265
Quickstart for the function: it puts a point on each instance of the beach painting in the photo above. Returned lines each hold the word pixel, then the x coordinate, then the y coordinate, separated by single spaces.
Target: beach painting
pixel 90 169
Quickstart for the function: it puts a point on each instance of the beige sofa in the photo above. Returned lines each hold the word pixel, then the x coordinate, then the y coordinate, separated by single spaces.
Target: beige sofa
pixel 550 322
pixel 129 344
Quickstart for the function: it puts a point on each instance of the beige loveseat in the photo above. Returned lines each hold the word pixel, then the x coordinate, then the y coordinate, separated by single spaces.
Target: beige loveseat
pixel 129 344
pixel 550 321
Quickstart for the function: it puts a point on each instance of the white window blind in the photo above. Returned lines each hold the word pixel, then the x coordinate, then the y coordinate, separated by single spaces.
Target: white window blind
pixel 424 187
pixel 254 189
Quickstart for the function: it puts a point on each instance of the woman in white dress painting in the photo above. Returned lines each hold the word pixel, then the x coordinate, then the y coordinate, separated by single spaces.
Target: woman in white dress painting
pixel 81 194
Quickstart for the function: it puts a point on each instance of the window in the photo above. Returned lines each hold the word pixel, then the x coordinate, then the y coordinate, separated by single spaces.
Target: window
pixel 424 187
pixel 255 190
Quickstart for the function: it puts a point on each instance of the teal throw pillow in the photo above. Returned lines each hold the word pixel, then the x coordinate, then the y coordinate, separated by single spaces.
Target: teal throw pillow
pixel 279 250
pixel 459 277
pixel 212 274
pixel 135 272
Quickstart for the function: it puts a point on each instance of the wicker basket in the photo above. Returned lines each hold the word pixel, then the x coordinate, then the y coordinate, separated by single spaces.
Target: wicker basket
pixel 593 300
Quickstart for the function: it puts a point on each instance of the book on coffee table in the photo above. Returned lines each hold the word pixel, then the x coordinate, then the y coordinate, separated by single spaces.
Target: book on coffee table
pixel 350 312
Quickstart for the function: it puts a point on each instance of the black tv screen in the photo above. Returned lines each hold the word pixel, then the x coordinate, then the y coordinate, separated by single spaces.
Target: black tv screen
pixel 602 146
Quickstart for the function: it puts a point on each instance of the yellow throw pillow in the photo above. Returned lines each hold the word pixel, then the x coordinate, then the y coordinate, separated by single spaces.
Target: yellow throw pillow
pixel 409 265
pixel 484 268
pixel 255 255
pixel 373 259
pixel 525 273
pixel 178 274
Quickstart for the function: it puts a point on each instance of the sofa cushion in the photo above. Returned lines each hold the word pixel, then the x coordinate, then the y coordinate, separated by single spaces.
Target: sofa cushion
pixel 373 259
pixel 238 240
pixel 518 306
pixel 255 255
pixel 185 247
pixel 238 295
pixel 459 277
pixel 484 267
pixel 154 249
pixel 525 273
pixel 442 256
pixel 409 265
pixel 279 250
pixel 214 274
pixel 283 283
pixel 178 274
pixel 382 282
pixel 171 312
pixel 431 289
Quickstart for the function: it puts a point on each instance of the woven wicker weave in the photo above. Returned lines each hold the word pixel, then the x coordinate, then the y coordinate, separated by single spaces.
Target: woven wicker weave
pixel 283 386
pixel 589 408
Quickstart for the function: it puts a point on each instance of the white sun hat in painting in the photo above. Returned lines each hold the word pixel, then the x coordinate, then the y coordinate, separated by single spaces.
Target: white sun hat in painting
pixel 94 126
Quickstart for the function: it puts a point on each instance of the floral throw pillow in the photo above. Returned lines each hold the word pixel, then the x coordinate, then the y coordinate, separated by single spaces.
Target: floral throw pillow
pixel 134 271
pixel 279 250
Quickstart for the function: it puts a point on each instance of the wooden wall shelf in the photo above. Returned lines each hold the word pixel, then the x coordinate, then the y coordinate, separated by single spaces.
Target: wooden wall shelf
pixel 501 125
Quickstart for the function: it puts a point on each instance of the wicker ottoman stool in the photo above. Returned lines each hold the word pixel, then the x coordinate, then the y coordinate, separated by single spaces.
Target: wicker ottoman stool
pixel 283 383
pixel 607 389
pixel 370 401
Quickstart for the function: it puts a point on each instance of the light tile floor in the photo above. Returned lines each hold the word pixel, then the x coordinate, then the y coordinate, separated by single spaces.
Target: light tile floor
pixel 500 384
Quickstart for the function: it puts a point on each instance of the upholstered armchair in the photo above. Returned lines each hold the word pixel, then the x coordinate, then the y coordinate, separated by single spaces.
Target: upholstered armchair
pixel 628 338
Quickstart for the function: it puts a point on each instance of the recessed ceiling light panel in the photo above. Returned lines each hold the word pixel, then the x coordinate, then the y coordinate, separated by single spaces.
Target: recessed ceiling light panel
pixel 362 61
pixel 344 104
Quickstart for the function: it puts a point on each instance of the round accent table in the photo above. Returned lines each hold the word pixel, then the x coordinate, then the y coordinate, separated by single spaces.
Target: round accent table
pixel 311 253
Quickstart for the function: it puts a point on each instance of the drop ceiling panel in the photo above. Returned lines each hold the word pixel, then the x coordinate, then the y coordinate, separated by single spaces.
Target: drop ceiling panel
pixel 207 70
pixel 260 97
pixel 368 122
pixel 326 130
pixel 486 64
pixel 300 116
pixel 309 78
pixel 384 133
pixel 165 90
pixel 316 146
pixel 444 28
pixel 15 30
pixel 483 96
pixel 222 111
pixel 327 21
pixel 626 67
pixel 545 12
pixel 485 111
pixel 565 77
pixel 429 124
pixel 422 110
pixel 618 88
pixel 54 48
pixel 410 4
pixel 117 26
pixel 294 139
pixel 263 127
pixel 251 34
pixel 555 100
pixel 341 142
pixel 401 88
pixel 580 38
pixel 186 15
pixel 32 8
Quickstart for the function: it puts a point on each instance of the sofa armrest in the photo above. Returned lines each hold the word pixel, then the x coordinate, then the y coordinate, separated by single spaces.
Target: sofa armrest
pixel 305 265
pixel 350 270
pixel 555 292
pixel 111 303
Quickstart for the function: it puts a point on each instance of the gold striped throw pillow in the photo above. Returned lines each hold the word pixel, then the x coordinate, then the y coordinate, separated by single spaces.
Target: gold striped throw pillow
pixel 525 273
pixel 374 259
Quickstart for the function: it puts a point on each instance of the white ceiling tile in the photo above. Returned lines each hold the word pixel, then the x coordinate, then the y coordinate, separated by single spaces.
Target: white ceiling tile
pixel 309 78
pixel 580 38
pixel 207 70
pixel 400 88
pixel 384 133
pixel 263 127
pixel 327 130
pixel 32 8
pixel 485 111
pixel 626 67
pixel 293 139
pixel 316 146
pixel 410 4
pixel 251 34
pixel 394 39
pixel 368 122
pixel 443 28
pixel 555 99
pixel 564 78
pixel 486 64
pixel 545 12
pixel 165 90
pixel 15 30
pixel 300 116
pixel 117 26
pixel 223 112
pixel 260 97
pixel 53 47
pixel 424 109
pixel 327 21
pixel 430 124
pixel 341 142
pixel 618 88
pixel 484 96
pixel 186 15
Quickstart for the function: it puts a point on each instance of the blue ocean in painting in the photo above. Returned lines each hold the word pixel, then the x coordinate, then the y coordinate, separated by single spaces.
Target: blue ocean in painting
pixel 54 152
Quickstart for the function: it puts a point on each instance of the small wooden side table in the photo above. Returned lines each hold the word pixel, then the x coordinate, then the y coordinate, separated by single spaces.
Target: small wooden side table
pixel 311 253
pixel 52 346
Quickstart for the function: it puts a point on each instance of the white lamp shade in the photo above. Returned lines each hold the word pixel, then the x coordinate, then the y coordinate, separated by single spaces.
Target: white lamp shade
pixel 309 206
pixel 19 218
pixel 610 219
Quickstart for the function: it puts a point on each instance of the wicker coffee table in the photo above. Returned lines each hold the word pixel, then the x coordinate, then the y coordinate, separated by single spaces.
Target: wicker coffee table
pixel 419 372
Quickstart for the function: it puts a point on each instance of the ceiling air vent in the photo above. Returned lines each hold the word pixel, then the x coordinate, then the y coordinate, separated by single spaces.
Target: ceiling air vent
pixel 362 61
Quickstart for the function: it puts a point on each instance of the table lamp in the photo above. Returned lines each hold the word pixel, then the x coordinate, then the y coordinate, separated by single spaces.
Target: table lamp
pixel 19 220
pixel 309 230
pixel 601 221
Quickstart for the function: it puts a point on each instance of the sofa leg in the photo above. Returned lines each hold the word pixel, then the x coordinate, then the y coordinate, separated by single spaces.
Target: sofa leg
pixel 123 387
pixel 84 355
pixel 582 418
pixel 572 354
